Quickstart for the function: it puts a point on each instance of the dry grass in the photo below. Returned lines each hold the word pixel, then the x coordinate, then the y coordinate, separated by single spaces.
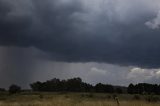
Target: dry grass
pixel 69 100
pixel 62 102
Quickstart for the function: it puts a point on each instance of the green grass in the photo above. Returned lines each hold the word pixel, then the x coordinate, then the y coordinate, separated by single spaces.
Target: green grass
pixel 75 99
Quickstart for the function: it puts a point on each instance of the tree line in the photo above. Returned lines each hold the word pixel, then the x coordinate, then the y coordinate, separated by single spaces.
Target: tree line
pixel 143 88
pixel 70 85
pixel 77 85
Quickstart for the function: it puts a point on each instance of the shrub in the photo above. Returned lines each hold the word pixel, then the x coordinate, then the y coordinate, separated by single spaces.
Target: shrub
pixel 136 97
pixel 119 90
pixel 14 89
pixel 41 96
pixel 90 95
pixel 114 96
pixel 2 90
pixel 108 97
pixel 82 95
pixel 152 98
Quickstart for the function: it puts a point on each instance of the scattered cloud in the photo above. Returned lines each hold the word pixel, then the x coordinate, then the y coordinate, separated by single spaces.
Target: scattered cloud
pixel 143 75
pixel 154 23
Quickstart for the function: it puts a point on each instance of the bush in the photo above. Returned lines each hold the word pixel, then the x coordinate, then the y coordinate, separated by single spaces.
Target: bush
pixel 136 97
pixel 90 95
pixel 41 96
pixel 119 90
pixel 152 98
pixel 114 96
pixel 2 90
pixel 14 89
pixel 108 96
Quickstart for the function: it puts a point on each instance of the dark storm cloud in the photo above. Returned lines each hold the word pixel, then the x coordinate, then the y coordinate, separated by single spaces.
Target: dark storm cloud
pixel 76 31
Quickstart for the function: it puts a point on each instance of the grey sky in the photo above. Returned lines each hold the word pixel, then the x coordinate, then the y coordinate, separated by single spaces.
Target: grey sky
pixel 98 40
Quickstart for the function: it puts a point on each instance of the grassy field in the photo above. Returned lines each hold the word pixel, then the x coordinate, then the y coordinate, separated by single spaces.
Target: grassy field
pixel 76 99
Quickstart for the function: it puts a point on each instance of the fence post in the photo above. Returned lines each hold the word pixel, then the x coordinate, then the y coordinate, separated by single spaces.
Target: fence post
pixel 117 100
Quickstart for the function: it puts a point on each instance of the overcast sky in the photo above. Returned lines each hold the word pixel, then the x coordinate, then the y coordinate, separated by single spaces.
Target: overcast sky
pixel 109 41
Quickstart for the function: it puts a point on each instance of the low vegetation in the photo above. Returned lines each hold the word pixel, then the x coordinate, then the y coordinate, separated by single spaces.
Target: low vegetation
pixel 75 92
pixel 76 99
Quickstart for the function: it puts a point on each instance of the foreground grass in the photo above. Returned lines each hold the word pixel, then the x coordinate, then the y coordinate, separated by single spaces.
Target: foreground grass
pixel 71 99
pixel 83 103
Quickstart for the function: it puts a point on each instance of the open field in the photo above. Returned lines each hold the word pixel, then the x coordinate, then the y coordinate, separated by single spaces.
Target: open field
pixel 74 99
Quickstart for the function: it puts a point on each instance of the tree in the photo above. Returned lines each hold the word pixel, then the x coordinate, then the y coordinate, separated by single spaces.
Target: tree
pixel 14 89
pixel 2 90
pixel 131 89
pixel 119 90
pixel 74 84
pixel 37 86
pixel 104 88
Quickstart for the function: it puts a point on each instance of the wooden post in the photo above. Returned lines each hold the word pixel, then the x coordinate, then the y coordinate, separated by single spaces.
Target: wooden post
pixel 117 100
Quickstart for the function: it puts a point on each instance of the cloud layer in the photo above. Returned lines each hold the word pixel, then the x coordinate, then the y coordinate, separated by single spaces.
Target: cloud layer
pixel 111 31
pixel 137 75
